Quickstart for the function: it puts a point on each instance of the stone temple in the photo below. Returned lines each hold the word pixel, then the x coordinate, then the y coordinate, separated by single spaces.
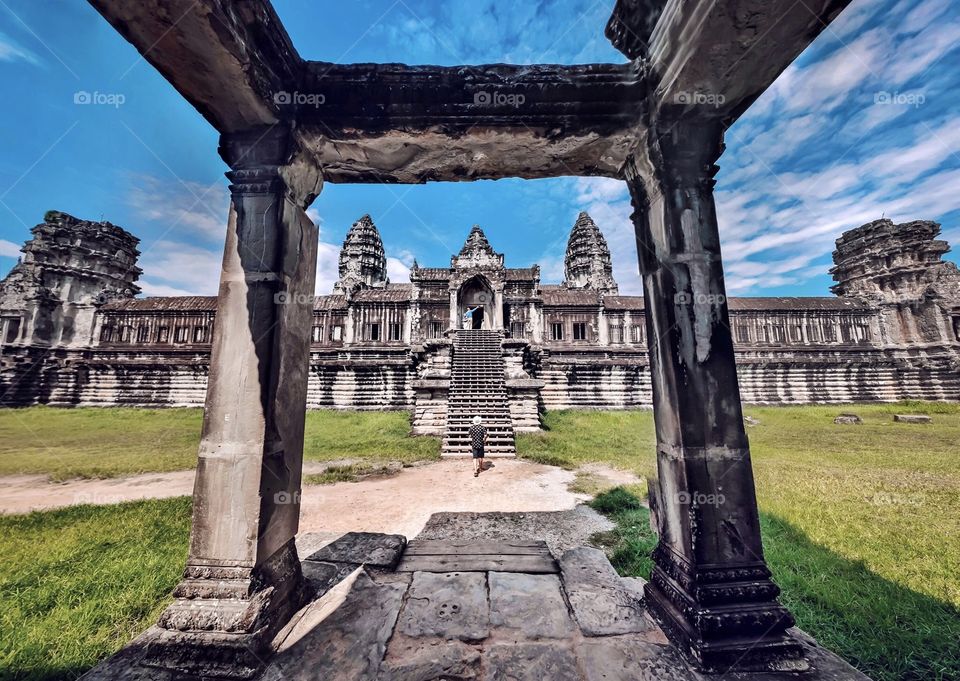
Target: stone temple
pixel 892 331
pixel 266 348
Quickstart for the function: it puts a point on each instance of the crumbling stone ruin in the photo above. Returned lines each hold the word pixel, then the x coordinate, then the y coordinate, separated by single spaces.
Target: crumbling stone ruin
pixel 892 332
pixel 657 123
pixel 69 270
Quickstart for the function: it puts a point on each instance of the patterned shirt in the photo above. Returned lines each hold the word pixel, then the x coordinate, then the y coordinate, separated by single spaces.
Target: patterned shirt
pixel 477 435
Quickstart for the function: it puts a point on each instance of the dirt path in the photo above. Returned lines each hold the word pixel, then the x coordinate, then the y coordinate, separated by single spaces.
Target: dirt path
pixel 401 503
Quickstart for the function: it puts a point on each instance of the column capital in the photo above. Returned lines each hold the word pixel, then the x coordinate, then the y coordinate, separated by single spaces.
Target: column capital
pixel 271 159
pixel 677 151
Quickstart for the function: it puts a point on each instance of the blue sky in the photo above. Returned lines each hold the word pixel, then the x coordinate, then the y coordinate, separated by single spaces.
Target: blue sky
pixel 863 124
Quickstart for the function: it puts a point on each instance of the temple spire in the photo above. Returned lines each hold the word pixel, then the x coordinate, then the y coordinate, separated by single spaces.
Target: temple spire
pixel 477 251
pixel 363 262
pixel 587 263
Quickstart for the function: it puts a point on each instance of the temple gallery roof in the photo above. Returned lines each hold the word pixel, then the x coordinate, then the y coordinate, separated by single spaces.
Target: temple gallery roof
pixel 552 295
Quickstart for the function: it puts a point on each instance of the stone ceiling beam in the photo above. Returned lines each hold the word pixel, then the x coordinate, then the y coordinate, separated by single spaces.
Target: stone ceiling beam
pixel 226 57
pixel 717 56
pixel 410 124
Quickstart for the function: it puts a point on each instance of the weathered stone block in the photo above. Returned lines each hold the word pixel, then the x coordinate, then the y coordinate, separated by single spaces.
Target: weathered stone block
pixel 531 604
pixel 363 548
pixel 912 418
pixel 350 643
pixel 530 662
pixel 601 603
pixel 449 605
pixel 847 419
pixel 630 658
pixel 430 661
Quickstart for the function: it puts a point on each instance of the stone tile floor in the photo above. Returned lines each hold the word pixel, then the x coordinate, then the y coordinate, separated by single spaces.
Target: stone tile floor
pixel 573 619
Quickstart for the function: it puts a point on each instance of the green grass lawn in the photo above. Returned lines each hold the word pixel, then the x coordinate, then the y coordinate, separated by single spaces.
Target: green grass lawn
pixel 77 584
pixel 95 442
pixel 861 523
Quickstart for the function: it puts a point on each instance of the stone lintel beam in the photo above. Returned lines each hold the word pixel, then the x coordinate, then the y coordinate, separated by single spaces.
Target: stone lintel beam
pixel 717 56
pixel 226 57
pixel 710 587
pixel 413 124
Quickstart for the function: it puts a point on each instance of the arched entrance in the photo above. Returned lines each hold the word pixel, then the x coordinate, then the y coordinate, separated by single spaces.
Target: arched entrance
pixel 476 307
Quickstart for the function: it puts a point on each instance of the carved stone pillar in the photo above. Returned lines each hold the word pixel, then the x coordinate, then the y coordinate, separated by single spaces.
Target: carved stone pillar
pixel 242 580
pixel 710 588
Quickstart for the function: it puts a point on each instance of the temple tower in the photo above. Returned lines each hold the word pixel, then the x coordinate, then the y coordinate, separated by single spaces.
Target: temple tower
pixel 363 262
pixel 477 283
pixel 900 269
pixel 70 267
pixel 587 263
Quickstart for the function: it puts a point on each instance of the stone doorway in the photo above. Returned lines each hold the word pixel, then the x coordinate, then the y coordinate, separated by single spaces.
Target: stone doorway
pixel 476 300
pixel 655 121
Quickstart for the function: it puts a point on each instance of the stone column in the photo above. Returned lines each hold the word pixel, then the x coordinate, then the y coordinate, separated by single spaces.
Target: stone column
pixel 710 588
pixel 242 580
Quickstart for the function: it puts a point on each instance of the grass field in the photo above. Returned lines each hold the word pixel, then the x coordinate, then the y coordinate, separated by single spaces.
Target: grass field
pixel 860 524
pixel 77 584
pixel 102 443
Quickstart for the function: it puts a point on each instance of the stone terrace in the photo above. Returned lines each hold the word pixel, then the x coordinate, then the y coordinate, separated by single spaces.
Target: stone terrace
pixel 427 610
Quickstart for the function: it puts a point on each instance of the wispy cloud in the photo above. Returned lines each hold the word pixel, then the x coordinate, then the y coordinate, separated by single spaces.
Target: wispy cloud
pixel 12 51
pixel 189 208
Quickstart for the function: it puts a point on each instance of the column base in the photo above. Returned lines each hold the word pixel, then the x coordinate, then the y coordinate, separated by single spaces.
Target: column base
pixel 723 618
pixel 224 618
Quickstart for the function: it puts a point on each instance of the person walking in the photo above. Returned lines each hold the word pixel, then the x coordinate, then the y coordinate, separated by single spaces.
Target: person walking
pixel 478 440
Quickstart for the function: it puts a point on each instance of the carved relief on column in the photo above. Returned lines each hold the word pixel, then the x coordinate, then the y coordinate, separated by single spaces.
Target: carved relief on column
pixel 710 586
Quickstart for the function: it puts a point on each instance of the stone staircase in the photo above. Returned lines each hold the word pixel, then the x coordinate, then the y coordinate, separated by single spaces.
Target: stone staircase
pixel 477 387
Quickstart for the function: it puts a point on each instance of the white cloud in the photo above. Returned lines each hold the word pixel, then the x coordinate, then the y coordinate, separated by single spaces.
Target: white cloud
pixel 188 208
pixel 10 51
pixel 328 268
pixel 397 271
pixel 188 269
pixel 9 249
pixel 152 289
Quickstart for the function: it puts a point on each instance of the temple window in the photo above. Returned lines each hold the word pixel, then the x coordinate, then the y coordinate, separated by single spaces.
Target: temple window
pixel 863 332
pixel 518 330
pixel 436 329
pixel 180 334
pixel 396 332
pixel 13 329
pixel 829 333
pixel 743 333
pixel 199 334
pixel 163 334
pixel 317 335
pixel 579 331
pixel 616 333
pixel 336 333
pixel 106 334
pixel 846 332
pixel 143 333
pixel 778 333
pixel 636 334
pixel 796 333
pixel 556 331
pixel 813 333
pixel 371 332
